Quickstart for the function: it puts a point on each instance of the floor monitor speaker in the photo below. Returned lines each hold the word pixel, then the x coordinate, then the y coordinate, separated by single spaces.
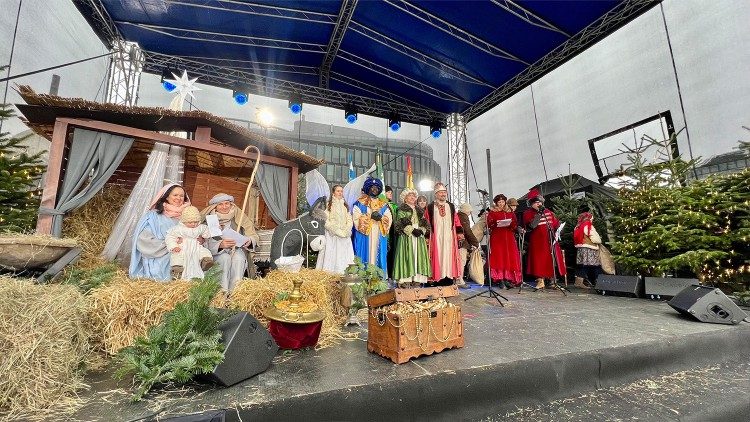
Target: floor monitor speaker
pixel 707 304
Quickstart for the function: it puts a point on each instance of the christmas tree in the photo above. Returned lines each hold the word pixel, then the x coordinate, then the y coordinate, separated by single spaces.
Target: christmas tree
pixel 19 175
pixel 665 225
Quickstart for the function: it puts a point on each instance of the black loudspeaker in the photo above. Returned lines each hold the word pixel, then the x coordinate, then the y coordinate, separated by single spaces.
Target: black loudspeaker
pixel 660 288
pixel 248 350
pixel 707 304
pixel 613 284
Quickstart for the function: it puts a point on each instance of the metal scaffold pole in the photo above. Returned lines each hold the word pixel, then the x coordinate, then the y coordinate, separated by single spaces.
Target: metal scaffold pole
pixel 457 160
pixel 124 75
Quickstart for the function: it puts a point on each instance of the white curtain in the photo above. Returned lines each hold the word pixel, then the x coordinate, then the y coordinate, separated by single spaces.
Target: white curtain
pixel 165 165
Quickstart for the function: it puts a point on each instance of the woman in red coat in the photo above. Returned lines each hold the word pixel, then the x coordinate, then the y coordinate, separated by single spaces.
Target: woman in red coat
pixel 539 222
pixel 504 259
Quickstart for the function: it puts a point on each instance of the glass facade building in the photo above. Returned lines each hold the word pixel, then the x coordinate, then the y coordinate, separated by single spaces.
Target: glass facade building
pixel 336 145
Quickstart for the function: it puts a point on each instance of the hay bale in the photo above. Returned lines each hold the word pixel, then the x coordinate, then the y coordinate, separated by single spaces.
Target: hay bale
pixel 126 308
pixel 44 339
pixel 92 224
pixel 320 287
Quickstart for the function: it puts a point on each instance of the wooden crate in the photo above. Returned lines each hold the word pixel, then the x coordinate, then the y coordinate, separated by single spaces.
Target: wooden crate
pixel 414 335
pixel 410 295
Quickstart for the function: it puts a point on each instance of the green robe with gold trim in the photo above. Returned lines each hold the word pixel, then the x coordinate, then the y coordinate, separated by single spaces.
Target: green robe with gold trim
pixel 412 261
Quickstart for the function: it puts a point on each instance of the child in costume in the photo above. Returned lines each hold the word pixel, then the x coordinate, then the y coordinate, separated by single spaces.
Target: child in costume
pixel 188 257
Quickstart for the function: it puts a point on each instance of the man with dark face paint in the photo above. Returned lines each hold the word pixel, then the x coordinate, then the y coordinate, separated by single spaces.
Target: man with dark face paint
pixel 372 221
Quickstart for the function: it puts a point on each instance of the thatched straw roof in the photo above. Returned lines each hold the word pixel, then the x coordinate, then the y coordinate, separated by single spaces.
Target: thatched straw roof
pixel 41 110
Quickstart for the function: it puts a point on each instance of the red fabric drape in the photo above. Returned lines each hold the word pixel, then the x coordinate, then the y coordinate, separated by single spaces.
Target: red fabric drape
pixel 295 336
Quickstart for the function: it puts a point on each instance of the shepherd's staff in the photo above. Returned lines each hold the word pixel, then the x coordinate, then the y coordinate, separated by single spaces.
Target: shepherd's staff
pixel 247 191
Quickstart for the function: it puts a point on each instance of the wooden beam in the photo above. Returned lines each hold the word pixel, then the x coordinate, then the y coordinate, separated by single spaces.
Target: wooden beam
pixel 151 136
pixel 293 180
pixel 203 134
pixel 54 171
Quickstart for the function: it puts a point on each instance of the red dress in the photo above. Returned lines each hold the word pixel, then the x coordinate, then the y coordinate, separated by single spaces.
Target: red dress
pixel 504 259
pixel 539 258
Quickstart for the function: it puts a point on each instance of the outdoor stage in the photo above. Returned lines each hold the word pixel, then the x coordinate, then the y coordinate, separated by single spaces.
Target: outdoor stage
pixel 539 347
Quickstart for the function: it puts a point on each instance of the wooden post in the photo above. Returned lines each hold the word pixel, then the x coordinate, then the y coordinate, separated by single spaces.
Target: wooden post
pixel 203 134
pixel 54 171
pixel 293 181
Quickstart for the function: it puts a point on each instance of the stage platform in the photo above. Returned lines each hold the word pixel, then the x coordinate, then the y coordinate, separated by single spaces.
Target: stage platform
pixel 540 347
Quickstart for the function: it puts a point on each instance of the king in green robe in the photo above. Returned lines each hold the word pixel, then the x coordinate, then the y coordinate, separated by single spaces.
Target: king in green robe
pixel 412 262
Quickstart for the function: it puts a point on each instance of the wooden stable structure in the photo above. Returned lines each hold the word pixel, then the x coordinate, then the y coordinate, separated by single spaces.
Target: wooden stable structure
pixel 214 157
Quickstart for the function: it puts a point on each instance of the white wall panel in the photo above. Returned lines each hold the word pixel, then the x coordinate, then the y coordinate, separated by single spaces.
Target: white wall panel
pixel 50 32
pixel 623 79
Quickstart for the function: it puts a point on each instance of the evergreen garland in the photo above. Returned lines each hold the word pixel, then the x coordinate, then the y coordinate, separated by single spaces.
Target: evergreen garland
pixel 186 343
pixel 19 174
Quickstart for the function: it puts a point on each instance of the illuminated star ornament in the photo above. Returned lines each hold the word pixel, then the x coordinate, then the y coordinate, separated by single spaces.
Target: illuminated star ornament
pixel 184 87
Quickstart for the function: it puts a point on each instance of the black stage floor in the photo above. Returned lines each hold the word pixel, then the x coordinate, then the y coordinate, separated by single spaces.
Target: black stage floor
pixel 541 346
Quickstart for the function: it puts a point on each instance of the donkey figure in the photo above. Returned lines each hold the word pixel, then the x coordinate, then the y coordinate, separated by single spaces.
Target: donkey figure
pixel 293 237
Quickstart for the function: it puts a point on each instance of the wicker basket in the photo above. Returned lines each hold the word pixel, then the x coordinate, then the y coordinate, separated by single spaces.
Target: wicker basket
pixel 290 264
pixel 25 252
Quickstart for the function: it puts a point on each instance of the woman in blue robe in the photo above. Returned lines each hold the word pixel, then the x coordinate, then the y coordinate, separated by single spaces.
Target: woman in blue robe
pixel 150 256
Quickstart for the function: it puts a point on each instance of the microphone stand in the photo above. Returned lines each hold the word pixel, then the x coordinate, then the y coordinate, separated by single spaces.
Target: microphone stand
pixel 490 291
pixel 520 261
pixel 551 239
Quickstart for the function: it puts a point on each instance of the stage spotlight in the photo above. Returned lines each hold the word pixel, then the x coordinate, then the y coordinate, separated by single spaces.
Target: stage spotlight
pixel 240 95
pixel 394 122
pixel 168 86
pixel 436 129
pixel 295 104
pixel 350 114
pixel 265 117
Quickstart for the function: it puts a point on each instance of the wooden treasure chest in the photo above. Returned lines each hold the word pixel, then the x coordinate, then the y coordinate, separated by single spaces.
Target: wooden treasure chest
pixel 408 323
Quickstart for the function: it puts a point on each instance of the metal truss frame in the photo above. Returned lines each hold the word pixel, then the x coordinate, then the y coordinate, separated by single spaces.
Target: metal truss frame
pixel 279 88
pixel 410 82
pixel 342 23
pixel 224 73
pixel 98 17
pixel 458 186
pixel 528 16
pixel 453 30
pixel 240 64
pixel 224 38
pixel 124 75
pixel 415 54
pixel 622 14
pixel 257 9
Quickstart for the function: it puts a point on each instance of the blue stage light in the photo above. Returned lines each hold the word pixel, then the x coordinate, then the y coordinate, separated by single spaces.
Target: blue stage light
pixel 350 114
pixel 169 86
pixel 394 122
pixel 240 97
pixel 436 128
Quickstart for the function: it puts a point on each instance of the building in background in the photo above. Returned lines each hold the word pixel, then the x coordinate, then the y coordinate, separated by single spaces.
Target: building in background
pixel 336 144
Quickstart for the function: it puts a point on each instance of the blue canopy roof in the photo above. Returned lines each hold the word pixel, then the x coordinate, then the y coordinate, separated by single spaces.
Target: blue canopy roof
pixel 420 59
